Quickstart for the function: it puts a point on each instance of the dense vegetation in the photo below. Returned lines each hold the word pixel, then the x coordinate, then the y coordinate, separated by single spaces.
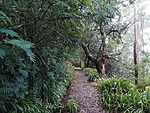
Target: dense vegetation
pixel 35 53
pixel 120 95
pixel 91 74
pixel 40 42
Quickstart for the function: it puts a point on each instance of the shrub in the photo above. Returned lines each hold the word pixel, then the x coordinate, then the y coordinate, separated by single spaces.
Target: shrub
pixel 71 106
pixel 121 95
pixel 55 88
pixel 21 90
pixel 91 74
pixel 27 105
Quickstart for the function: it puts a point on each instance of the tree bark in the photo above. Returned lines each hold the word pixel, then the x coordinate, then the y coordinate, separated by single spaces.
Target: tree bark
pixel 135 46
pixel 99 63
pixel 100 66
pixel 88 62
pixel 88 53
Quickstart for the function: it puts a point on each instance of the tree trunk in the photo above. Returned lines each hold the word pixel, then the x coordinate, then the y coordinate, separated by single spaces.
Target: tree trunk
pixel 99 63
pixel 135 47
pixel 88 62
pixel 100 66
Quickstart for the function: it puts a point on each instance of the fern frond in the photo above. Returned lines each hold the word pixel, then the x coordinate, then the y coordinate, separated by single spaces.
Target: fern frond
pixel 20 43
pixel 2 106
pixel 9 32
pixel 2 53
pixel 20 79
pixel 31 55
pixel 4 16
pixel 5 90
pixel 23 44
pixel 23 72
pixel 7 83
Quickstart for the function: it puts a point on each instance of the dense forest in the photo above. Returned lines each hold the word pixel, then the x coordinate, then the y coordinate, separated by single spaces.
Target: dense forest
pixel 42 42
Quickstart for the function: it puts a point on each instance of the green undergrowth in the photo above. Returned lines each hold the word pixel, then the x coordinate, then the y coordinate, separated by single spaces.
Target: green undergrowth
pixel 28 84
pixel 91 74
pixel 119 95
pixel 70 107
pixel 53 94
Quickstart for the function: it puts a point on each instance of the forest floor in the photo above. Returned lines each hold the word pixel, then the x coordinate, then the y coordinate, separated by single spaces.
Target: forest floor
pixel 85 94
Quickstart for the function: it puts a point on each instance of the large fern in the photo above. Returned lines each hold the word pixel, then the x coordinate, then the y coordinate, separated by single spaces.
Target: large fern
pixel 9 32
pixel 23 44
pixel 14 65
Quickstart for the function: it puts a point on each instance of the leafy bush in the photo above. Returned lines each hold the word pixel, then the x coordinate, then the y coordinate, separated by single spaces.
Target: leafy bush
pixel 27 105
pixel 16 61
pixel 25 85
pixel 14 65
pixel 54 88
pixel 121 95
pixel 71 106
pixel 91 74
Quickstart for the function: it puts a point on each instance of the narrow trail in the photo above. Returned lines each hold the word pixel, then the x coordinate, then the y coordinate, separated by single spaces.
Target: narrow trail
pixel 85 94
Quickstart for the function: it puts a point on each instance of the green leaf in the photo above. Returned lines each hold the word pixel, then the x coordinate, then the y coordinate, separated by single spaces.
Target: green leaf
pixel 3 14
pixel 2 53
pixel 23 72
pixel 110 8
pixel 87 1
pixel 1 17
pixel 20 79
pixel 20 43
pixel 5 90
pixel 9 32
pixel 18 5
pixel 9 84
pixel 19 107
pixel 23 44
pixel 64 4
pixel 31 55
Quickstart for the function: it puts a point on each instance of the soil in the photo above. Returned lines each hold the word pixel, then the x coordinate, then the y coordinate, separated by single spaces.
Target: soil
pixel 85 94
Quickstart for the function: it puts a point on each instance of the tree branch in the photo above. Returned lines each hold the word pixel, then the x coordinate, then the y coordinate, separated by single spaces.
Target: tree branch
pixel 114 54
pixel 88 53
pixel 112 31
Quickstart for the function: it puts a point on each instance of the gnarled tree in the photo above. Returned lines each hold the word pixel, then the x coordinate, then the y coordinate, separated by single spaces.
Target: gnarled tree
pixel 107 26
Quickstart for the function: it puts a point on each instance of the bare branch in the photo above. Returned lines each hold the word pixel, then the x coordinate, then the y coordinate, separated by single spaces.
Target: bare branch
pixel 112 31
pixel 88 53
pixel 114 54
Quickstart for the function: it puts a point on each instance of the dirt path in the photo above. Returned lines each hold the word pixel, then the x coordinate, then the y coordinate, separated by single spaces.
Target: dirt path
pixel 85 94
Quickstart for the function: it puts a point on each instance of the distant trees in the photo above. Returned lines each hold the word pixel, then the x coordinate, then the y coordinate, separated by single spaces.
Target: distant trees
pixel 128 62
